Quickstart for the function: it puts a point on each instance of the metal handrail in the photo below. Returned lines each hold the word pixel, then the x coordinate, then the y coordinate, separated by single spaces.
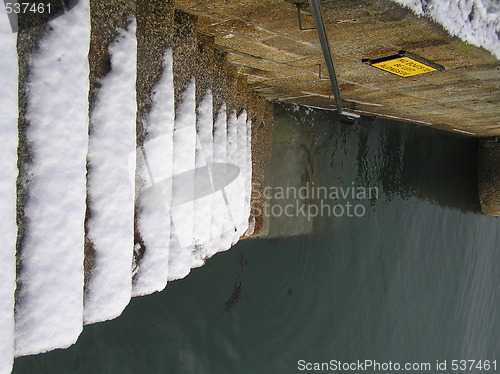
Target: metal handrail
pixel 299 15
pixel 327 54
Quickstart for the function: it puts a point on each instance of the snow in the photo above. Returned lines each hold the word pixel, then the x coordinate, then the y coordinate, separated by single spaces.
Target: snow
pixel 229 192
pixel 111 195
pixel 220 218
pixel 192 178
pixel 182 210
pixel 8 176
pixel 49 312
pixel 235 190
pixel 474 21
pixel 248 178
pixel 156 170
pixel 203 183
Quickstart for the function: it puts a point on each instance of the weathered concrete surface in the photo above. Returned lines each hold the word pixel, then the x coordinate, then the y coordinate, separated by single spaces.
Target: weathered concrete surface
pixel 106 18
pixel 281 62
pixel 489 176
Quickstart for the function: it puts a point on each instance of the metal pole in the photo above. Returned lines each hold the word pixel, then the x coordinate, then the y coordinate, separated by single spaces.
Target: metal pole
pixel 325 46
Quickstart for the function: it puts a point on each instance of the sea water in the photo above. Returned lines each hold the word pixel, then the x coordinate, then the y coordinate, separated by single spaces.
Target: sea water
pixel 413 280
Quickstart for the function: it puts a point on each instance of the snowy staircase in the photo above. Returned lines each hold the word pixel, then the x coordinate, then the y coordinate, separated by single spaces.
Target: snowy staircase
pixel 115 201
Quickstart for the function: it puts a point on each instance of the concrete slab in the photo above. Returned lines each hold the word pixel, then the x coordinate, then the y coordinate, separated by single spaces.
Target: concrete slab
pixel 281 61
pixel 256 11
pixel 238 26
pixel 255 48
pixel 289 45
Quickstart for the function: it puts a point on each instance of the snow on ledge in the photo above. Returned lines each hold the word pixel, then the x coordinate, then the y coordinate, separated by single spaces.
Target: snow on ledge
pixel 474 21
pixel 155 167
pixel 8 177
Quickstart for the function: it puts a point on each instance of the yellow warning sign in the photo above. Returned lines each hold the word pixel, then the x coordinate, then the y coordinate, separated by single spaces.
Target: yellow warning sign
pixel 404 66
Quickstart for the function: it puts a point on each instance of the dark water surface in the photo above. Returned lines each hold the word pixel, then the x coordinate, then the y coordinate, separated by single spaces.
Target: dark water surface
pixel 415 279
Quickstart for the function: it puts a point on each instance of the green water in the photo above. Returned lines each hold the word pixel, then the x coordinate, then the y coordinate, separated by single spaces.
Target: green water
pixel 416 279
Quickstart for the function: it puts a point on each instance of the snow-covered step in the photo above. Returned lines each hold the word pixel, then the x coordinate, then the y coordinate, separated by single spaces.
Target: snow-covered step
pixel 184 163
pixel 229 192
pixel 156 170
pixel 476 22
pixel 228 181
pixel 49 309
pixel 8 176
pixel 203 181
pixel 242 216
pixel 221 224
pixel 235 190
pixel 111 192
pixel 248 179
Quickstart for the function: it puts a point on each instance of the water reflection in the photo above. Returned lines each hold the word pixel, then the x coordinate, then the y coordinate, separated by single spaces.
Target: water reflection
pixel 402 160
